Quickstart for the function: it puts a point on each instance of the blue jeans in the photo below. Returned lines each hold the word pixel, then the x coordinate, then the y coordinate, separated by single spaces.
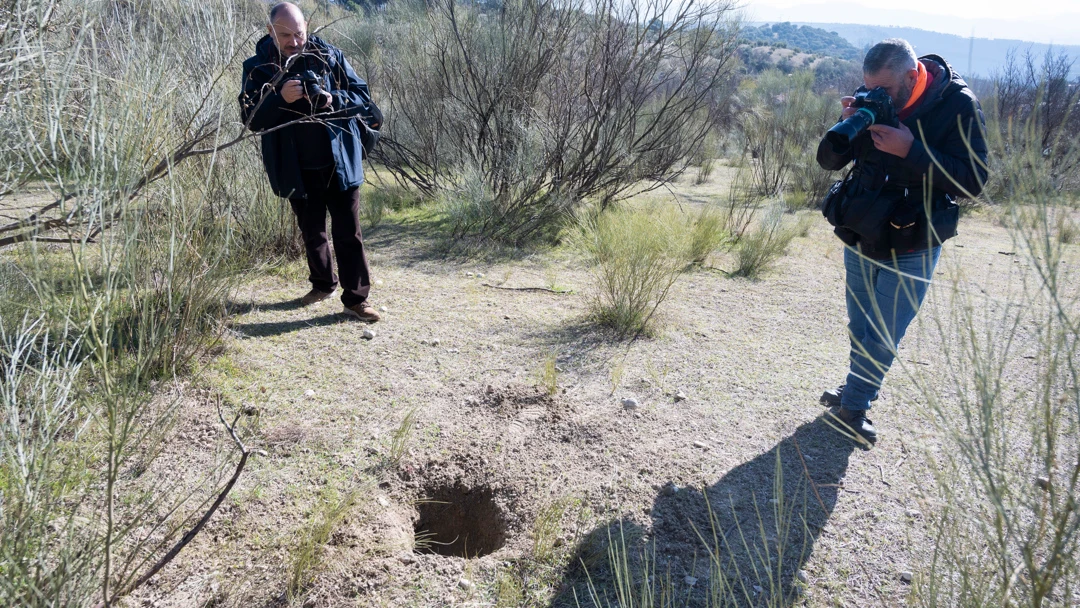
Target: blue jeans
pixel 882 299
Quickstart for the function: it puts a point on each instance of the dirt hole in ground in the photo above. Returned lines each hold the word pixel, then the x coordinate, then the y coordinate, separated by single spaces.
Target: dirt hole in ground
pixel 459 521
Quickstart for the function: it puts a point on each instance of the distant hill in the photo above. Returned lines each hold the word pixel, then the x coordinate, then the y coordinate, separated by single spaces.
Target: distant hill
pixel 804 38
pixel 969 56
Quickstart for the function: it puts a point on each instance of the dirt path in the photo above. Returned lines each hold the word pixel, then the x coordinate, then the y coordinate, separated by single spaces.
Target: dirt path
pixel 491 450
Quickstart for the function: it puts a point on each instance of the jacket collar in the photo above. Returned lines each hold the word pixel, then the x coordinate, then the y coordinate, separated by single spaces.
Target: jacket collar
pixel 946 82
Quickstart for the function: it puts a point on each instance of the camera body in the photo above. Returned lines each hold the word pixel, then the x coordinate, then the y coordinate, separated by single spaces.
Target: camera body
pixel 311 83
pixel 873 107
pixel 879 104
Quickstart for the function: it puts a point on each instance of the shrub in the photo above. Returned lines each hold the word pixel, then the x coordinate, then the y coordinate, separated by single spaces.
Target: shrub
pixel 760 247
pixel 101 113
pixel 635 255
pixel 707 234
pixel 1008 469
pixel 782 122
pixel 513 139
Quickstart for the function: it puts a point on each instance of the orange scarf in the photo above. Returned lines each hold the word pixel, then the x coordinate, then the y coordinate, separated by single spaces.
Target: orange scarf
pixel 921 83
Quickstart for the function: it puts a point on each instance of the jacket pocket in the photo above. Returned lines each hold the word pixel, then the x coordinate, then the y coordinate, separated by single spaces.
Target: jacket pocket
pixel 907 228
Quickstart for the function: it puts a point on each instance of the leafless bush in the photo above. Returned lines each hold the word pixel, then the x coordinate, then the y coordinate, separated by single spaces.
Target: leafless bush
pixel 782 120
pixel 521 113
pixel 1032 110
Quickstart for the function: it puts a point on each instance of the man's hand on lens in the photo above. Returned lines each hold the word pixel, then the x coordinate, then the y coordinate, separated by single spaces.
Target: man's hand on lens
pixel 892 141
pixel 292 90
pixel 848 110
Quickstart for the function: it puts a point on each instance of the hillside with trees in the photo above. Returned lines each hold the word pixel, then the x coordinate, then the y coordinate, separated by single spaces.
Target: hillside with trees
pixel 801 38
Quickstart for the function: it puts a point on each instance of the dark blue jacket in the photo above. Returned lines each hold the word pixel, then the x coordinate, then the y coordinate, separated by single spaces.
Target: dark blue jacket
pixel 947 121
pixel 262 108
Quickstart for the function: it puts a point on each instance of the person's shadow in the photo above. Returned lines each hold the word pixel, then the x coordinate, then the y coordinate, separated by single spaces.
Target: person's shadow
pixel 740 542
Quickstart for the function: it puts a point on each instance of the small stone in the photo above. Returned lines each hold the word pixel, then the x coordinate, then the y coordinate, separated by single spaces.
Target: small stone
pixel 309 393
pixel 637 415
pixel 490 389
pixel 261 453
pixel 690 580
pixel 250 410
pixel 378 283
pixel 802 576
pixel 506 317
pixel 382 501
pixel 906 576
pixel 680 396
pixel 383 309
pixel 466 584
pixel 1043 482
pixel 630 403
pixel 758 589
pixel 469 274
pixel 435 342
pixel 368 334
pixel 913 513
pixel 462 383
pixel 407 559
pixel 479 275
pixel 669 489
pixel 701 444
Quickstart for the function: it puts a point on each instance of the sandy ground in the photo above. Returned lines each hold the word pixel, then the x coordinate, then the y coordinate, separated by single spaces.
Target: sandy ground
pixel 538 483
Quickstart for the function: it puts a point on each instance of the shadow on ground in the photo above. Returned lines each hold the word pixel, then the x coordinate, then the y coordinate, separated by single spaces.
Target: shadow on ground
pixel 242 308
pixel 739 542
pixel 276 328
pixel 415 242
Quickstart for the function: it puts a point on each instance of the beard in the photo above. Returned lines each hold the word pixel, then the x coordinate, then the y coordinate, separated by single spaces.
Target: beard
pixel 903 96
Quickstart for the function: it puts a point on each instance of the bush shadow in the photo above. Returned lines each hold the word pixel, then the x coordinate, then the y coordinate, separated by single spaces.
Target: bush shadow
pixel 415 242
pixel 740 541
pixel 277 328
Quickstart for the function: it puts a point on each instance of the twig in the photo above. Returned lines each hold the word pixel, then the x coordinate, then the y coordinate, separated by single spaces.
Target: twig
pixel 49 239
pixel 555 291
pixel 882 471
pixel 168 557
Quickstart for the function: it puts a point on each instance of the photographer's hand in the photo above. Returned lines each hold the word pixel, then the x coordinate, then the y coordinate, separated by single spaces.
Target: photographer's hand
pixel 892 141
pixel 292 91
pixel 848 110
pixel 326 100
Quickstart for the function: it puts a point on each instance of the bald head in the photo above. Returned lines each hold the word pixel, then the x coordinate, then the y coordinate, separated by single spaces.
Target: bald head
pixel 287 28
pixel 289 8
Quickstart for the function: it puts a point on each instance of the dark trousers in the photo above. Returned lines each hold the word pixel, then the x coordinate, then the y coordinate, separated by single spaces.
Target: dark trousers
pixel 345 230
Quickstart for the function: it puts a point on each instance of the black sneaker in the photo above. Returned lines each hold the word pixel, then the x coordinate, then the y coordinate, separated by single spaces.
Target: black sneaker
pixel 857 422
pixel 831 397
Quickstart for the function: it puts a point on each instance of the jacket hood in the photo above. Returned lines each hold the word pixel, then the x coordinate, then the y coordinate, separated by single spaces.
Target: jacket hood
pixel 946 80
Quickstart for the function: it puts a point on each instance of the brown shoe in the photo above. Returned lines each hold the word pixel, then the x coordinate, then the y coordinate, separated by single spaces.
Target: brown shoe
pixel 315 296
pixel 362 311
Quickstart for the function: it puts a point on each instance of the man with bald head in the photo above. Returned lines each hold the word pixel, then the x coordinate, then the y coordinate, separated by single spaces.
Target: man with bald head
pixel 317 120
pixel 897 206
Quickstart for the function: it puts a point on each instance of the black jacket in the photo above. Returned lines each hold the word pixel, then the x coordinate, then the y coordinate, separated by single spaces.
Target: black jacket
pixel 262 108
pixel 946 122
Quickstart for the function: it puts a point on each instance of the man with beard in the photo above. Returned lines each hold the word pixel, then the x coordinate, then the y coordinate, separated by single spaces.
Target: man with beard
pixel 910 176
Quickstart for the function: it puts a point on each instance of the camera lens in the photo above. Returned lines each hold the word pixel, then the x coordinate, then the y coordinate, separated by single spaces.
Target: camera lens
pixel 843 133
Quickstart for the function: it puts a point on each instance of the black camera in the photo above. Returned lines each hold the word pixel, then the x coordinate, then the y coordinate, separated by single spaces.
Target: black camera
pixel 874 107
pixel 311 85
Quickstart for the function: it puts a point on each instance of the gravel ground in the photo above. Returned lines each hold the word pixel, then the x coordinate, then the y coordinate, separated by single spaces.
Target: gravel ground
pixel 725 415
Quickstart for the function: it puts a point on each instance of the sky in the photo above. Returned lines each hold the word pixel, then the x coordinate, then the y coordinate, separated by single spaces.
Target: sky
pixel 1048 21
